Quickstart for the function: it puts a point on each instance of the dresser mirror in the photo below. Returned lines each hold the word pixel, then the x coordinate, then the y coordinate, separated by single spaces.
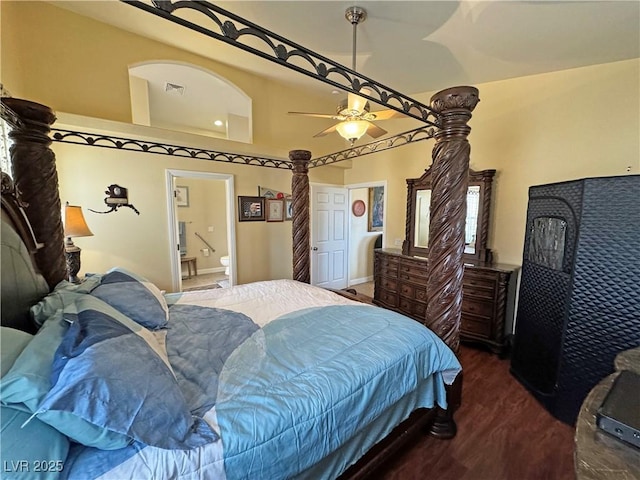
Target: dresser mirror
pixel 477 220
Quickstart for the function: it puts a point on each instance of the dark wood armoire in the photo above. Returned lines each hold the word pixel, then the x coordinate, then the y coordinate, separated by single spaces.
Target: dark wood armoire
pixel 579 298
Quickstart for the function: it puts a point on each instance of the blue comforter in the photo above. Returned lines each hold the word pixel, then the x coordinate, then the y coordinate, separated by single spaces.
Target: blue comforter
pixel 285 395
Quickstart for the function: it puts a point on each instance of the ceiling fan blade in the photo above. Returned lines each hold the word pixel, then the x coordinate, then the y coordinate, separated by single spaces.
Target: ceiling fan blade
pixel 326 131
pixel 387 114
pixel 375 131
pixel 317 115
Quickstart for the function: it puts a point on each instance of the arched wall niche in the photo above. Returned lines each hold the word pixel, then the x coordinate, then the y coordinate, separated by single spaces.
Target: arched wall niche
pixel 187 98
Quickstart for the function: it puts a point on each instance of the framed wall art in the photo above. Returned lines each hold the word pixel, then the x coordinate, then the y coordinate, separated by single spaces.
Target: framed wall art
pixel 275 210
pixel 288 209
pixel 358 208
pixel 376 207
pixel 251 209
pixel 182 196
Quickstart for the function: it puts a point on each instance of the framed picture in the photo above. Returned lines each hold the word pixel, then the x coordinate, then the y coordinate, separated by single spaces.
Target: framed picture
pixel 376 209
pixel 288 209
pixel 251 209
pixel 358 208
pixel 271 193
pixel 275 210
pixel 182 196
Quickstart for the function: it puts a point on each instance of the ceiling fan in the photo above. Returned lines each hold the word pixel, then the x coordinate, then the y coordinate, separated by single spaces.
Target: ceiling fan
pixel 353 113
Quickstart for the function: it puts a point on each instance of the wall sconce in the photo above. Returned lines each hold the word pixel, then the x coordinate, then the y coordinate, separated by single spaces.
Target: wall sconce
pixel 74 226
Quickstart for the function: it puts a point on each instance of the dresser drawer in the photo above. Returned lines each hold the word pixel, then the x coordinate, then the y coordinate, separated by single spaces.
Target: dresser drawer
pixel 483 294
pixel 389 271
pixel 419 309
pixel 387 260
pixel 475 326
pixel 388 298
pixel 479 282
pixel 479 278
pixel 475 307
pixel 413 290
pixel 413 308
pixel 386 283
pixel 421 293
pixel 407 290
pixel 413 270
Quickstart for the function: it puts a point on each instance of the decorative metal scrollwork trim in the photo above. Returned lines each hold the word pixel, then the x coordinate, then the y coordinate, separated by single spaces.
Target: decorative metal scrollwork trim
pixel 130 144
pixel 119 143
pixel 411 136
pixel 281 51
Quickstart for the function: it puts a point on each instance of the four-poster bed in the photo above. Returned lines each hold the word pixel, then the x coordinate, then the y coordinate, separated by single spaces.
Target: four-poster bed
pixel 35 177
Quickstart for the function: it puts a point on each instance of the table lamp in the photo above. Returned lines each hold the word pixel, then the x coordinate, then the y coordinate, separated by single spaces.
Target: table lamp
pixel 74 226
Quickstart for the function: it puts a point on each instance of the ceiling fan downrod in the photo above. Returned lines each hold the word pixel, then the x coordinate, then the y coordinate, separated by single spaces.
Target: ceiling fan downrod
pixel 355 15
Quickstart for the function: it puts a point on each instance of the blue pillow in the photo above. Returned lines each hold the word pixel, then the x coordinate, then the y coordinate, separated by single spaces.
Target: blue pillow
pixel 12 342
pixel 134 296
pixel 107 373
pixel 62 296
pixel 36 446
pixel 28 381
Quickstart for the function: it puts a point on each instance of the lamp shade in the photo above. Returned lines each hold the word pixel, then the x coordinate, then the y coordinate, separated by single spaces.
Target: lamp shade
pixel 352 130
pixel 74 222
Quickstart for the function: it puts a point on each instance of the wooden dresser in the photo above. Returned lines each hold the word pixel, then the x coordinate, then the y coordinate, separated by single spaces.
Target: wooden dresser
pixel 487 294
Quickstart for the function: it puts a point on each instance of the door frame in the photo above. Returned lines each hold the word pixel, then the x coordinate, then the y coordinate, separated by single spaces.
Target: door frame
pixel 172 220
pixel 354 186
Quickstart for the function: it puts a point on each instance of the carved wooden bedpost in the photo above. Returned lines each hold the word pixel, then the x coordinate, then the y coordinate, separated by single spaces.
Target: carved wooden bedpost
pixel 448 211
pixel 33 166
pixel 300 204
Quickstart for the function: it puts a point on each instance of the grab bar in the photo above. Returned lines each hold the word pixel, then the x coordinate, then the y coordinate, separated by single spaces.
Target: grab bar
pixel 205 242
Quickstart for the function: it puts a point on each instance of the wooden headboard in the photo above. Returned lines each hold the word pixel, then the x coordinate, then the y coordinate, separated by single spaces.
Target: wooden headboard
pixel 21 284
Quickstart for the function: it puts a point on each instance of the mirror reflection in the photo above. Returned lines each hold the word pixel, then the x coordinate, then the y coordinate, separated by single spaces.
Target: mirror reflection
pixel 423 201
pixel 419 196
pixel 421 230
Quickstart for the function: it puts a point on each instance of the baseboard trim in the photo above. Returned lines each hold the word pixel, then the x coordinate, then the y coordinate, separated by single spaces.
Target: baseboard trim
pixel 358 281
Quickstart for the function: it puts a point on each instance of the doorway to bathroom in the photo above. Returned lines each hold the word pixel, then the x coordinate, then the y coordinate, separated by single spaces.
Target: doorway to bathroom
pixel 201 229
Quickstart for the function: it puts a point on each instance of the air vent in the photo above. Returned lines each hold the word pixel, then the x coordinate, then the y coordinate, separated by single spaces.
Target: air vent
pixel 173 88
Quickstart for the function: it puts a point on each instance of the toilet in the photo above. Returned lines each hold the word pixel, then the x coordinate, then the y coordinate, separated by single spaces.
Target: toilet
pixel 224 260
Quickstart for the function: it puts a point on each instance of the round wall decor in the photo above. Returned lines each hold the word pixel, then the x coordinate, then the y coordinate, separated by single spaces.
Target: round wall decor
pixel 358 208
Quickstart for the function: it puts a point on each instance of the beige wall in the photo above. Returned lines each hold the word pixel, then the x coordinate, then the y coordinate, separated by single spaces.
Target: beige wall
pixel 141 243
pixel 533 130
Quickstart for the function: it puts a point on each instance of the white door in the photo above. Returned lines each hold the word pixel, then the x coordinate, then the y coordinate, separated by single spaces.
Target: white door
pixel 329 209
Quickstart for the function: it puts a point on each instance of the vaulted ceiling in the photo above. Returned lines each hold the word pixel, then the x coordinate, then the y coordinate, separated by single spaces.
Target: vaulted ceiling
pixel 415 46
pixel 410 46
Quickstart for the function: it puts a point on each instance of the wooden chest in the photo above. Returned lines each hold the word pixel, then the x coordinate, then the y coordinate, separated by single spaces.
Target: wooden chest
pixel 401 285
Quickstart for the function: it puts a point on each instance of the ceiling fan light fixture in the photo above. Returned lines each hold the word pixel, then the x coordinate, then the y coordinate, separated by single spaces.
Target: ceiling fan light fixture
pixel 352 130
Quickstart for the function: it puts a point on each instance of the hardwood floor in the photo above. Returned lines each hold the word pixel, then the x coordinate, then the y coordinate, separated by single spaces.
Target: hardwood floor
pixel 503 433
